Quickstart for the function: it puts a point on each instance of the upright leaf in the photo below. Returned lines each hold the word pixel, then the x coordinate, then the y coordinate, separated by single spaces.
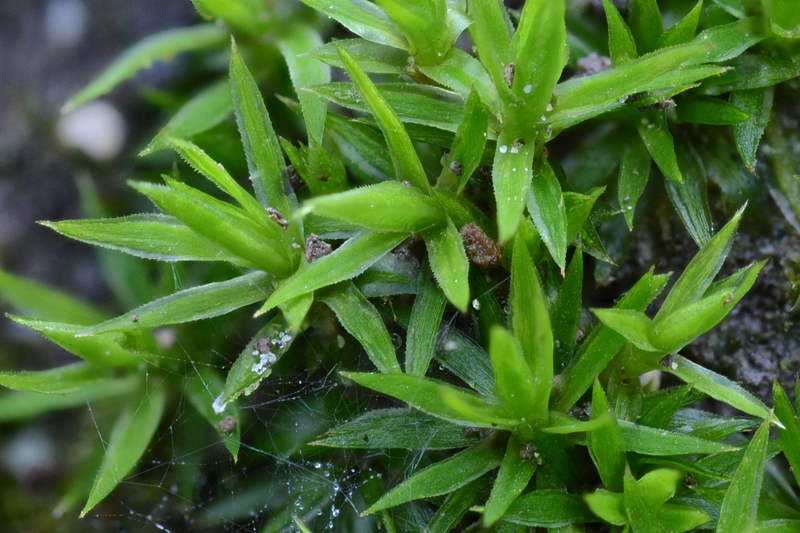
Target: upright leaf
pixel 450 513
pixel 360 318
pixel 567 312
pixel 201 391
pixel 684 30
pixel 306 71
pixel 605 443
pixel 511 178
pixel 449 263
pixel 789 434
pixel 654 131
pixel 702 269
pixel 514 383
pixel 491 31
pixel 548 211
pixel 738 511
pixel 426 317
pixel 634 171
pixel 512 478
pixel 758 104
pixel 537 50
pixel 530 320
pixel 644 18
pixel 621 44
pixel 467 150
pixel 406 162
pixel 641 515
pixel 602 344
pixel 264 157
pixel 128 441
pixel 690 196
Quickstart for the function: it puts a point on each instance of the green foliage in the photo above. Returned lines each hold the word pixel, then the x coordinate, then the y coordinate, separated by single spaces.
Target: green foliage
pixel 384 222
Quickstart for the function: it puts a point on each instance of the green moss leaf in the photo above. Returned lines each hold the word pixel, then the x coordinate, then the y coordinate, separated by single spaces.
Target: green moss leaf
pixel 512 478
pixel 103 350
pixel 346 262
pixel 548 211
pixel 621 44
pixel 396 428
pixel 158 47
pixel 387 206
pixel 530 321
pixel 445 476
pixel 201 391
pixel 683 31
pixel 197 303
pixel 406 162
pixel 46 303
pixel 264 157
pixel 362 18
pixel 738 512
pixel 261 244
pixel 254 363
pixel 61 380
pixel 449 263
pixel 426 317
pixel 128 441
pixel 360 318
pixel 605 443
pixel 789 434
pixel 437 398
pixel 716 386
pixel 150 236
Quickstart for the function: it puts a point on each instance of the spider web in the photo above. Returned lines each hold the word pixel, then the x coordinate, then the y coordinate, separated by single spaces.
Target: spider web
pixel 187 481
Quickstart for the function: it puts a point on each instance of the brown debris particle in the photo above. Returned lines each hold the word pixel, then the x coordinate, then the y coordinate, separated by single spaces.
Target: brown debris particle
pixel 316 248
pixel 294 178
pixel 528 451
pixel 481 250
pixel 262 345
pixel 227 424
pixel 277 218
pixel 508 74
pixel 592 64
pixel 669 103
pixel 456 167
pixel 482 433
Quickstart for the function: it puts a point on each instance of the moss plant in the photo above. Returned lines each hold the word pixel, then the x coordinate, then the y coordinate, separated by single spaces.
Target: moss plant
pixel 483 170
